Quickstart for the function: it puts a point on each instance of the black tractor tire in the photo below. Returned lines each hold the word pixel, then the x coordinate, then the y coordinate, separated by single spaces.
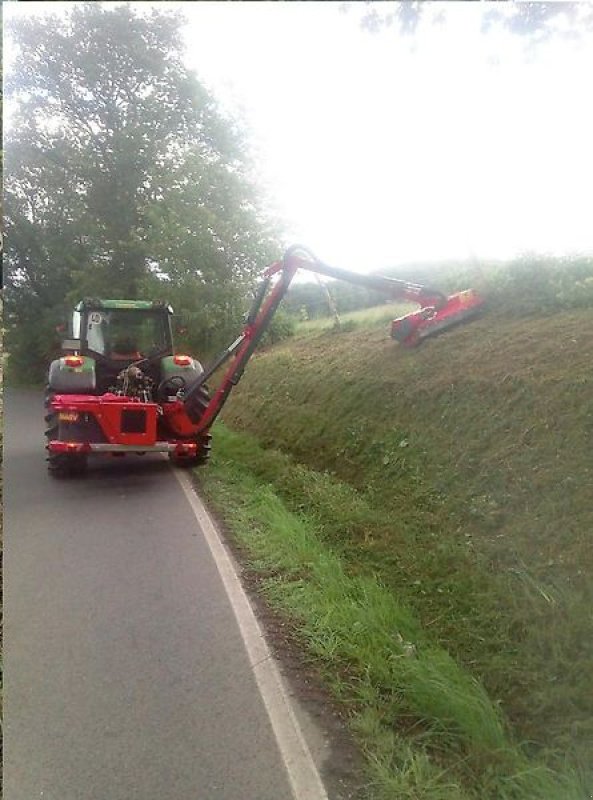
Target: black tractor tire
pixel 66 465
pixel 188 462
pixel 47 398
pixel 62 465
pixel 201 399
pixel 198 404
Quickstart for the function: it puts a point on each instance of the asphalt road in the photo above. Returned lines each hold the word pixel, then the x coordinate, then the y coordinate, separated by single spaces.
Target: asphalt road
pixel 126 675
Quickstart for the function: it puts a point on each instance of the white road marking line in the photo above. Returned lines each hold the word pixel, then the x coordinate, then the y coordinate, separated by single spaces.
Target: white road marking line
pixel 304 778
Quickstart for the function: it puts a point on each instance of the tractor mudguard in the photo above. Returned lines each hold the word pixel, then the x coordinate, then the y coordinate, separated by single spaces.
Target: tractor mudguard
pixel 181 367
pixel 72 375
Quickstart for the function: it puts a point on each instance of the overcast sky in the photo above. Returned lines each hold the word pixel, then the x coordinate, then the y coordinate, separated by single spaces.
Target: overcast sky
pixel 377 149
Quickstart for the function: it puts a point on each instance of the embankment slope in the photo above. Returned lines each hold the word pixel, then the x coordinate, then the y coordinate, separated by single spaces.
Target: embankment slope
pixel 476 450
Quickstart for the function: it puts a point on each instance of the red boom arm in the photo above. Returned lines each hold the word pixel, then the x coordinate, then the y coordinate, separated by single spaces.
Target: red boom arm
pixel 265 304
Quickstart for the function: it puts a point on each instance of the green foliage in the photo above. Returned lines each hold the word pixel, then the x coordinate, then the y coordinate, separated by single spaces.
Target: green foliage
pixel 35 346
pixel 282 326
pixel 207 315
pixel 123 178
pixel 532 285
pixel 532 20
pixel 311 299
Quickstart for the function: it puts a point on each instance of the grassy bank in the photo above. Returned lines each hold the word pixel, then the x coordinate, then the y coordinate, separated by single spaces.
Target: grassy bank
pixel 475 449
pixel 377 315
pixel 426 725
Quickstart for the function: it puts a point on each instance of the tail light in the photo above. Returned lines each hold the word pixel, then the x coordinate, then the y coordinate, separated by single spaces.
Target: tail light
pixel 74 361
pixel 182 361
pixel 69 447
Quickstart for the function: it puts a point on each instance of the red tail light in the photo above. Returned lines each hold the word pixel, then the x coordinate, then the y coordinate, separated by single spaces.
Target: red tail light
pixel 69 447
pixel 182 361
pixel 74 361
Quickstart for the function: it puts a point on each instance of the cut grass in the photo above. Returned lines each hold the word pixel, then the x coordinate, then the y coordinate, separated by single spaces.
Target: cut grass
pixel 427 726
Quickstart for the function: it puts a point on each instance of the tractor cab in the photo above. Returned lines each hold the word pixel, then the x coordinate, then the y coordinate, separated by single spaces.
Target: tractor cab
pixel 121 330
pixel 117 333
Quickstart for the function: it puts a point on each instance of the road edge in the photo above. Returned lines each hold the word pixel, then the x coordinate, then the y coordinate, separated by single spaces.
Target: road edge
pixel 304 778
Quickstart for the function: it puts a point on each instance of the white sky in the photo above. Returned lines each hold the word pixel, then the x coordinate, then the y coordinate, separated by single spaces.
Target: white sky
pixel 376 149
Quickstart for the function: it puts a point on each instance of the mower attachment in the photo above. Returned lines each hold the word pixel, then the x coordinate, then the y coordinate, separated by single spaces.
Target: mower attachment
pixel 412 328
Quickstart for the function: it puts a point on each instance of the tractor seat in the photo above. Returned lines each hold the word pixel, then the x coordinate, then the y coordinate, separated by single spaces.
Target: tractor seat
pixel 131 356
pixel 125 349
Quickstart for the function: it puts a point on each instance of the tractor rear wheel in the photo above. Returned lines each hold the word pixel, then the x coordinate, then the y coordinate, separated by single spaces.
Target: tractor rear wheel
pixel 195 410
pixel 204 442
pixel 62 465
pixel 47 398
pixel 66 465
pixel 199 402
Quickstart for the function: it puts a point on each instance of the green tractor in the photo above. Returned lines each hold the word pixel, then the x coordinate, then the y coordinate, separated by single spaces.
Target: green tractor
pixel 105 394
pixel 120 388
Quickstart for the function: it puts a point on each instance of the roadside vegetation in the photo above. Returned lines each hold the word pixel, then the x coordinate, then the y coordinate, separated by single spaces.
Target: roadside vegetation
pixel 122 181
pixel 449 485
pixel 425 724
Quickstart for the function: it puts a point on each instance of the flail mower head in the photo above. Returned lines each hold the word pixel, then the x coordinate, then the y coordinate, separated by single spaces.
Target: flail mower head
pixel 412 328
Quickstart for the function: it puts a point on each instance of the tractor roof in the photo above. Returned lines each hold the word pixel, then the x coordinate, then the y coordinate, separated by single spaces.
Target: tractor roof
pixel 134 305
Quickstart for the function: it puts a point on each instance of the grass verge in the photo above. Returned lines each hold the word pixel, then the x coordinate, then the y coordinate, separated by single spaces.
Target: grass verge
pixel 426 725
pixel 469 465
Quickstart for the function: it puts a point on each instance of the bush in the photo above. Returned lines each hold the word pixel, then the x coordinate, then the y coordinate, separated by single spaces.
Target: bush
pixel 31 350
pixel 531 284
pixel 282 326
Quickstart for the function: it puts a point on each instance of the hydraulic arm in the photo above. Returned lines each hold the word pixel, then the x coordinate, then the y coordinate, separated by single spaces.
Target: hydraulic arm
pixel 436 312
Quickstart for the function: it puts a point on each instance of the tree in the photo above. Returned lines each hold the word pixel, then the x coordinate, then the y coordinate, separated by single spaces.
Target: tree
pixel 123 177
pixel 533 20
